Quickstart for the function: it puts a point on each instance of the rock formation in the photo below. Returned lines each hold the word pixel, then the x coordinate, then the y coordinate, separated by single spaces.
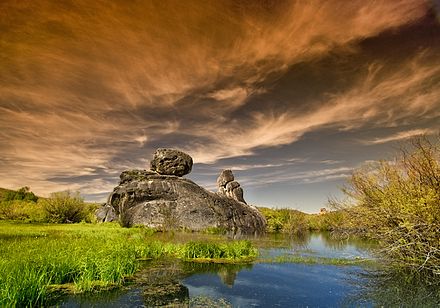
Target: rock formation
pixel 171 162
pixel 161 198
pixel 228 187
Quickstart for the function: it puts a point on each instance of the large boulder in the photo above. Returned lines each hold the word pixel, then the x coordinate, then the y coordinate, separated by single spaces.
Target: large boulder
pixel 171 202
pixel 171 162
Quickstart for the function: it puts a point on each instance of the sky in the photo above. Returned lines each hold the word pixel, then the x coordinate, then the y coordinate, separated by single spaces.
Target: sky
pixel 290 95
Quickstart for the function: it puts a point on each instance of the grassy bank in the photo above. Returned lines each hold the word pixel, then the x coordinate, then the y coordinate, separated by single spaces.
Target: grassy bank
pixel 36 258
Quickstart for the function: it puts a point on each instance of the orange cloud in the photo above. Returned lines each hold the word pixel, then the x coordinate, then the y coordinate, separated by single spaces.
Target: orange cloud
pixel 83 82
pixel 381 97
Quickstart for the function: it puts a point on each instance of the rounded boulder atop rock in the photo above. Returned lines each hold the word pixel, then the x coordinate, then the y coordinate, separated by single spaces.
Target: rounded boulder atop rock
pixel 171 162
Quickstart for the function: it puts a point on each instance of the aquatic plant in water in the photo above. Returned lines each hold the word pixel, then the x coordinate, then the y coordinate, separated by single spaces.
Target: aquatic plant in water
pixel 35 259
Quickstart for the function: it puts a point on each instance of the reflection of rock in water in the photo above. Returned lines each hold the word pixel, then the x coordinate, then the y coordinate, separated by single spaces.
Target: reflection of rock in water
pixel 169 294
pixel 159 281
pixel 226 272
pixel 228 276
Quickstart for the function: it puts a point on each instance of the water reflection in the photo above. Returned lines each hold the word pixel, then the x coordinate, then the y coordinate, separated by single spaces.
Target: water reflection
pixel 186 284
pixel 281 285
pixel 396 288
pixel 161 281
pixel 320 245
pixel 226 272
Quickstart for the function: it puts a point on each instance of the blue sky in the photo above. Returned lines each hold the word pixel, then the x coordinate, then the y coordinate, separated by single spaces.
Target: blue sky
pixel 290 95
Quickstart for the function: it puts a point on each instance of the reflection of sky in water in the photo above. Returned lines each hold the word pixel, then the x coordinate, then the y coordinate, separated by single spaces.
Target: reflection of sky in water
pixel 115 299
pixel 319 245
pixel 281 285
pixel 267 284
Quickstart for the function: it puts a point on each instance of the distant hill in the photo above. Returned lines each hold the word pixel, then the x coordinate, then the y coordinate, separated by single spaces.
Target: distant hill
pixel 23 193
pixel 4 192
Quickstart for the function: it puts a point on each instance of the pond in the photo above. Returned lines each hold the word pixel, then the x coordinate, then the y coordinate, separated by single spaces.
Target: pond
pixel 325 278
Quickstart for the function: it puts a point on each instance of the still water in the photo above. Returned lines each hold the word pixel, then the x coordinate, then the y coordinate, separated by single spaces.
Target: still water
pixel 269 284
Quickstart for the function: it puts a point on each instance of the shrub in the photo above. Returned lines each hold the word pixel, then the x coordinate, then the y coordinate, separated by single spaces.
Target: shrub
pixel 22 210
pixel 23 193
pixel 330 221
pixel 65 207
pixel 285 221
pixel 398 203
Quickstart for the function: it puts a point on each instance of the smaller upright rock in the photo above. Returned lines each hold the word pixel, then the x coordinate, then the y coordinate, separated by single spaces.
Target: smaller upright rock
pixel 171 162
pixel 228 187
pixel 224 178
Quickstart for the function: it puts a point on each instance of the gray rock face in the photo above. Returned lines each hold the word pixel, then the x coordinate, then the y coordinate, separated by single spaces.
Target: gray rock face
pixel 169 202
pixel 228 187
pixel 130 175
pixel 171 162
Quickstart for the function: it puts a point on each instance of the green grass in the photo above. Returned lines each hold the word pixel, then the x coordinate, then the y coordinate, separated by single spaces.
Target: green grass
pixel 36 258
pixel 319 260
pixel 219 251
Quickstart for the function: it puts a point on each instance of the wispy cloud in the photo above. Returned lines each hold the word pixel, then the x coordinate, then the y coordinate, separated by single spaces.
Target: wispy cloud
pixel 90 84
pixel 331 162
pixel 381 97
pixel 310 176
pixel 402 135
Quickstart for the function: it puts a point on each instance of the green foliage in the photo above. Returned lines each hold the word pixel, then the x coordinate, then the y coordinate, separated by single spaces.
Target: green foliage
pixel 23 193
pixel 22 210
pixel 285 220
pixel 3 192
pixel 39 256
pixel 20 205
pixel 230 250
pixel 318 260
pixel 60 207
pixel 398 203
pixel 36 258
pixel 330 221
pixel 65 207
pixel 34 211
pixel 298 223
